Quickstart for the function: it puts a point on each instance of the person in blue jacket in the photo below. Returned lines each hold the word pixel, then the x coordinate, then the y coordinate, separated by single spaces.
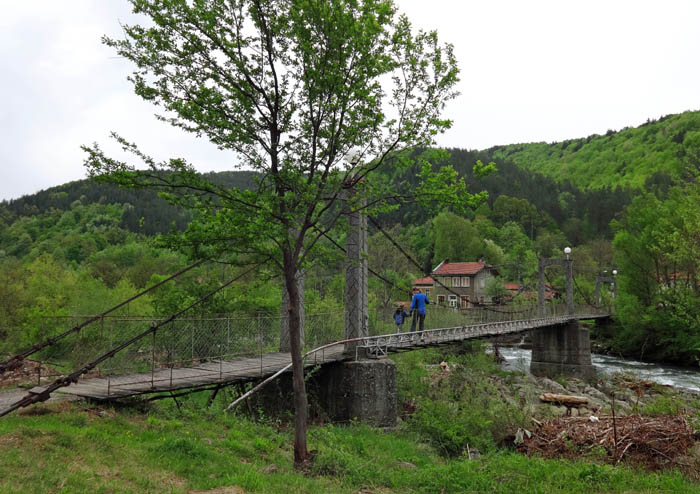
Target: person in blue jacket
pixel 418 303
pixel 400 316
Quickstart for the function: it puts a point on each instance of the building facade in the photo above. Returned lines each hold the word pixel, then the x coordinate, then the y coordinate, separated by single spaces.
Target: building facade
pixel 458 284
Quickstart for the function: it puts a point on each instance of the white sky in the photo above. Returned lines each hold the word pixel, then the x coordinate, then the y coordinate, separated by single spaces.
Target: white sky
pixel 535 70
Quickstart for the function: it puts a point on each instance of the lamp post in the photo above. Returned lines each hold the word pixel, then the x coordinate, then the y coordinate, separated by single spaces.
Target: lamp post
pixel 605 279
pixel 568 267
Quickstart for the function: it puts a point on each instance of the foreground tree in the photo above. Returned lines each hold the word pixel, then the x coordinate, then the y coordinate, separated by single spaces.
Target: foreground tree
pixel 314 96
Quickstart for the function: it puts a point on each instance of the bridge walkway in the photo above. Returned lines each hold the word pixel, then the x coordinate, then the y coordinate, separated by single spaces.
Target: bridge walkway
pixel 245 369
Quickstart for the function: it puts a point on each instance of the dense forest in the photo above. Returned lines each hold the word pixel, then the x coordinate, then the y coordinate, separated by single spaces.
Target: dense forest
pixel 656 152
pixel 82 238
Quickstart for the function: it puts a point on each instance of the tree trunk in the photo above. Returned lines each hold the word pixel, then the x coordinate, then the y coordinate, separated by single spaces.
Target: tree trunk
pixel 300 401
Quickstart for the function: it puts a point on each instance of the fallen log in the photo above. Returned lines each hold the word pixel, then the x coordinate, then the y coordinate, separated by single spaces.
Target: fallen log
pixel 567 400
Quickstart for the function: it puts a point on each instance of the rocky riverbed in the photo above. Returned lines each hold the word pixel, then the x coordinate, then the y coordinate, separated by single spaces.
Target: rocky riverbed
pixel 626 394
pixel 624 418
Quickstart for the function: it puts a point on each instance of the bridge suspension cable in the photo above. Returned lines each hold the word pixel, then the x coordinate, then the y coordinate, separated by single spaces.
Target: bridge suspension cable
pixel 73 377
pixel 413 261
pixel 15 359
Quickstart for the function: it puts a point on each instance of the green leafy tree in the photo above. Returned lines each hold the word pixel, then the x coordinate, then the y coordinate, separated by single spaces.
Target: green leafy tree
pixel 292 88
pixel 455 239
pixel 657 250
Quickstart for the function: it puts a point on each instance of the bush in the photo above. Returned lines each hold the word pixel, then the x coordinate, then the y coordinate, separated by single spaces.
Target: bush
pixel 463 407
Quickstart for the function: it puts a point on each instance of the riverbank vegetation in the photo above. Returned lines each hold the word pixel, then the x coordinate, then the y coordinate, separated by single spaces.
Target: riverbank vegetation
pixel 455 435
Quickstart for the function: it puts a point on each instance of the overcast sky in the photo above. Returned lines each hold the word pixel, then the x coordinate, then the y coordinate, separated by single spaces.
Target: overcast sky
pixel 531 71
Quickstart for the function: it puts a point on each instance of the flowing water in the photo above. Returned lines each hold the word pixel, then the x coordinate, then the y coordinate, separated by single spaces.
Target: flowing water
pixel 681 377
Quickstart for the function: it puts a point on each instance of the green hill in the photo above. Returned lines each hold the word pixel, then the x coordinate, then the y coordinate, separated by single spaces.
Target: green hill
pixel 658 150
pixel 145 213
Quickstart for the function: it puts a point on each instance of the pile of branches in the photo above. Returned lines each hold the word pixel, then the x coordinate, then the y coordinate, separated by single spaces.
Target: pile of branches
pixel 650 442
pixel 26 372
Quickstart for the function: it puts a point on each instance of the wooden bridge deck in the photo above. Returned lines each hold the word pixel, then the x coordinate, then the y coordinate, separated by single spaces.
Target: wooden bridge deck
pixel 253 368
pixel 205 374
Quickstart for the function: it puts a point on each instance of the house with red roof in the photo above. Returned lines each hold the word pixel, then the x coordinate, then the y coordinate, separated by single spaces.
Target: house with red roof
pixel 458 284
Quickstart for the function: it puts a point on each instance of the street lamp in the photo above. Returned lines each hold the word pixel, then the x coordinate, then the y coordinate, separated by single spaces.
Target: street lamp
pixel 352 157
pixel 614 272
pixel 567 251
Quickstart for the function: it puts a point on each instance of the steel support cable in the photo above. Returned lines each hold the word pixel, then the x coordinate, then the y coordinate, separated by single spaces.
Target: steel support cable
pixel 408 256
pixel 50 341
pixel 578 289
pixel 73 377
pixel 390 283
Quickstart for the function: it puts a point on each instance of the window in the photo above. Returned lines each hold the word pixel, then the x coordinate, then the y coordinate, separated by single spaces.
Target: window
pixel 465 281
pixel 455 281
pixel 482 282
pixel 453 300
pixel 441 299
pixel 427 292
pixel 465 301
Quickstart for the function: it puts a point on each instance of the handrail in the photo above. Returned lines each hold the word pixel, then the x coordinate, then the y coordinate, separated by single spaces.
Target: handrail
pixel 422 335
pixel 12 361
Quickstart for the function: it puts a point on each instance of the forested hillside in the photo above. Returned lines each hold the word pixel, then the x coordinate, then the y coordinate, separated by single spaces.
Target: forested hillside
pixel 84 237
pixel 655 152
pixel 145 212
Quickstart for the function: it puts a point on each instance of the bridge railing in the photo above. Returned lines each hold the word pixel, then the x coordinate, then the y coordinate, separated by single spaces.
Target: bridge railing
pixel 185 342
pixel 190 341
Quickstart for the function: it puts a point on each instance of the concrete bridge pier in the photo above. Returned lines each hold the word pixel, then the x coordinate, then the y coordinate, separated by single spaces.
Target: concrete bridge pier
pixel 363 390
pixel 562 350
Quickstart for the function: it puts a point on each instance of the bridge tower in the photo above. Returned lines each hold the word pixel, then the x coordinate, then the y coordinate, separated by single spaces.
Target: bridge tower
pixel 356 275
pixel 599 280
pixel 568 265
pixel 563 349
pixel 359 389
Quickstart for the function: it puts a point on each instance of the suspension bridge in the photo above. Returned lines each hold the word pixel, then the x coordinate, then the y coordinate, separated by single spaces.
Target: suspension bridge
pixel 114 357
pixel 211 352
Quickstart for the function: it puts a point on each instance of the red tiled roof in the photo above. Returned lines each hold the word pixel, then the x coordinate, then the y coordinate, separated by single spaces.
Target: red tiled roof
pixel 460 268
pixel 511 286
pixel 424 281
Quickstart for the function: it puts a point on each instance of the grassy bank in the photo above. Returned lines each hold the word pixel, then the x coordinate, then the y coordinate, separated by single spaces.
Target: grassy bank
pixel 80 448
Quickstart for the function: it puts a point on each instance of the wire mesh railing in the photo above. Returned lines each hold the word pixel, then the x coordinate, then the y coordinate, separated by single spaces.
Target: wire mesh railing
pixel 190 341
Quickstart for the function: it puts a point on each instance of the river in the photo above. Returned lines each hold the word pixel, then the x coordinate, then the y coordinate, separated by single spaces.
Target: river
pixel 681 377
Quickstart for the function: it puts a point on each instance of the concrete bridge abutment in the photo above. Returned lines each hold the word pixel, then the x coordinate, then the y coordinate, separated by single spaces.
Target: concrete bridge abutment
pixel 562 350
pixel 362 390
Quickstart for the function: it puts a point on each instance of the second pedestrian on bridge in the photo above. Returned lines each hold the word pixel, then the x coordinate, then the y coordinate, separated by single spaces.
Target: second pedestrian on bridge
pixel 400 316
pixel 417 310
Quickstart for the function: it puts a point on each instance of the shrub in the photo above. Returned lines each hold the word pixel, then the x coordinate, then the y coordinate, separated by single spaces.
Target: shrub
pixel 463 408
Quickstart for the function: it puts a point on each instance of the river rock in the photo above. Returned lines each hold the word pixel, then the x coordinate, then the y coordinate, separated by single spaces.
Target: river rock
pixel 552 386
pixel 591 392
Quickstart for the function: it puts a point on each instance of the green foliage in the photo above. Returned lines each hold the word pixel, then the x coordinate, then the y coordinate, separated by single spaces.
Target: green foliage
pixel 656 249
pixel 455 239
pixel 628 158
pixel 459 410
pixel 663 405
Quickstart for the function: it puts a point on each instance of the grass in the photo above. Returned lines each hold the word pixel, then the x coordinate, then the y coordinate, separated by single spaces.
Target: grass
pixel 75 449
pixel 80 448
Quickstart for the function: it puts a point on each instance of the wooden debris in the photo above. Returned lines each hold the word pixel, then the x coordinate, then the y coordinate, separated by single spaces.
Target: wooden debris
pixel 567 400
pixel 652 442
